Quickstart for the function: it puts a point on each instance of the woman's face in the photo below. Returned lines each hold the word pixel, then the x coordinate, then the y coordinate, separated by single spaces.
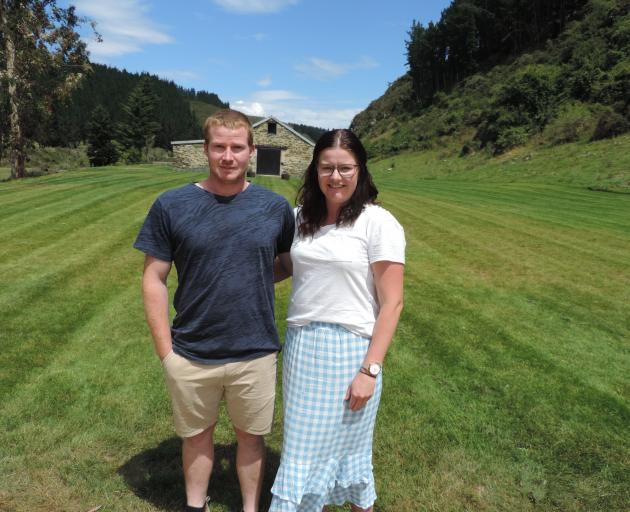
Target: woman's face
pixel 338 175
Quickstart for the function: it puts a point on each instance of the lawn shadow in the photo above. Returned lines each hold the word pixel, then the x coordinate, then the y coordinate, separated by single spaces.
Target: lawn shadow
pixel 155 475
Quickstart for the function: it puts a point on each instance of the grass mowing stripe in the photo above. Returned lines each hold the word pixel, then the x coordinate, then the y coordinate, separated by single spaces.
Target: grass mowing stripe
pixel 71 210
pixel 508 222
pixel 48 191
pixel 521 196
pixel 75 182
pixel 525 206
pixel 61 298
pixel 76 232
pixel 515 236
pixel 571 332
pixel 598 306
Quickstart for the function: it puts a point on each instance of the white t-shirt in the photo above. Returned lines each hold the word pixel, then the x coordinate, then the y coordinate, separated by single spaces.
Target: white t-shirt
pixel 332 277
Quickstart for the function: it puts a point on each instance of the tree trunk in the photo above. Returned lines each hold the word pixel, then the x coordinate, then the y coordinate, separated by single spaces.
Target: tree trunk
pixel 16 139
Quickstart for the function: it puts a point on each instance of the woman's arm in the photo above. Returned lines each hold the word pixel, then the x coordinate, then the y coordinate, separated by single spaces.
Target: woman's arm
pixel 388 279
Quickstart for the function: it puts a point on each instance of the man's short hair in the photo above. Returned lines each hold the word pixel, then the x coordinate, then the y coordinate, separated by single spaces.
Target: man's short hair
pixel 232 119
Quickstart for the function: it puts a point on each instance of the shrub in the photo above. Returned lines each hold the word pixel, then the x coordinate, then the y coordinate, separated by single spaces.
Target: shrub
pixel 157 154
pixel 494 123
pixel 574 122
pixel 510 137
pixel 47 159
pixel 533 93
pixel 610 124
pixel 615 89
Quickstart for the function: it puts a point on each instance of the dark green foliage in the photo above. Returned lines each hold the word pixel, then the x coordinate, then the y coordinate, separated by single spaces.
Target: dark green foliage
pixel 574 122
pixel 472 34
pixel 312 132
pixel 110 87
pixel 206 97
pixel 137 130
pixel 610 124
pixel 523 105
pixel 532 93
pixel 101 149
pixel 495 73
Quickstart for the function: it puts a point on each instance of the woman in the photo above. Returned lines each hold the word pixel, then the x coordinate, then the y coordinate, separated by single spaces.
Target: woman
pixel 347 262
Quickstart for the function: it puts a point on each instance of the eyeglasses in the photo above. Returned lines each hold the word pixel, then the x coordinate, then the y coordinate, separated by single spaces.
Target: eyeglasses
pixel 345 170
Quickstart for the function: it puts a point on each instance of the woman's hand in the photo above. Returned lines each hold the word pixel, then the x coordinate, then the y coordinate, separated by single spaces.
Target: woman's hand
pixel 360 391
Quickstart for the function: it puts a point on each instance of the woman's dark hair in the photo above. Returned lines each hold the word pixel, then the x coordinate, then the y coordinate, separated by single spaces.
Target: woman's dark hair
pixel 311 199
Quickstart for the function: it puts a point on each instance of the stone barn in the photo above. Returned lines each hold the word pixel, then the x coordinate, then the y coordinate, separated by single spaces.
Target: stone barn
pixel 279 150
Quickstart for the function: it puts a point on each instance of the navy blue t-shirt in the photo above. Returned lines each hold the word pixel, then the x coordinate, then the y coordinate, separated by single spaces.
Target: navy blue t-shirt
pixel 223 249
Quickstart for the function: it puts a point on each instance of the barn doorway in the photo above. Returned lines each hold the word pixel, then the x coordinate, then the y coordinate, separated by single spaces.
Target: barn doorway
pixel 268 161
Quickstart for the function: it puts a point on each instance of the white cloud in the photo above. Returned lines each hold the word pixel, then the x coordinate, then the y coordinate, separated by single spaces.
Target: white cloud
pixel 124 25
pixel 251 108
pixel 324 70
pixel 264 82
pixel 254 6
pixel 326 118
pixel 295 108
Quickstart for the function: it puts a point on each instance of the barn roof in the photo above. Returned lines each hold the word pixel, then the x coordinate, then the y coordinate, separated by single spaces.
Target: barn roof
pixel 258 123
pixel 275 119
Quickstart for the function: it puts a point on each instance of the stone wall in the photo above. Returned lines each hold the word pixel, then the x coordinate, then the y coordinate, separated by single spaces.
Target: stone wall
pixel 189 154
pixel 296 153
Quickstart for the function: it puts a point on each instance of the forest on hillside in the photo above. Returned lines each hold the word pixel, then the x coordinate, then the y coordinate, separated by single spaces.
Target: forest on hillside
pixel 111 88
pixel 494 74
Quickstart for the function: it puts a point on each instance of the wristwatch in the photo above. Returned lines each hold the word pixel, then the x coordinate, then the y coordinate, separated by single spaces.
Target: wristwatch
pixel 372 369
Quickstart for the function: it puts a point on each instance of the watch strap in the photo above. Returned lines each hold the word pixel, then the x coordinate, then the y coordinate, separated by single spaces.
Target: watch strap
pixel 365 371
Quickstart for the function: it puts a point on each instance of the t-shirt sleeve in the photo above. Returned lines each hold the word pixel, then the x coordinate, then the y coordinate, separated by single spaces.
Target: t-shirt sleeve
pixel 154 237
pixel 386 238
pixel 288 229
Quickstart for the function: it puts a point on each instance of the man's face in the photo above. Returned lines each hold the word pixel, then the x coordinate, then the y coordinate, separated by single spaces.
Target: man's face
pixel 228 154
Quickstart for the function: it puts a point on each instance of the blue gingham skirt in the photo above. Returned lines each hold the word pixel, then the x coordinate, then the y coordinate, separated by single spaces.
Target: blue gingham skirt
pixel 327 448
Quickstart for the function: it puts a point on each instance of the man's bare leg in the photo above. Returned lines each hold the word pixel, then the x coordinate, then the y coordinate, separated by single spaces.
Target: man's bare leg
pixel 198 458
pixel 250 466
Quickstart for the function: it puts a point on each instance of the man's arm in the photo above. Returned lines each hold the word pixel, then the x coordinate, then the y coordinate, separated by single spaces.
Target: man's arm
pixel 156 306
pixel 282 267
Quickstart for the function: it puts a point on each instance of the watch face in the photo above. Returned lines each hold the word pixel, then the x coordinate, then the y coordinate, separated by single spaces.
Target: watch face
pixel 375 368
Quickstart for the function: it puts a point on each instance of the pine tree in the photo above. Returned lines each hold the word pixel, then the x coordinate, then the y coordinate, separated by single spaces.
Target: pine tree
pixel 136 133
pixel 101 150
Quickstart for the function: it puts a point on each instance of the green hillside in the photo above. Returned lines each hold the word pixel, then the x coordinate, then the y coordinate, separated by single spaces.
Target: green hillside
pixel 203 110
pixel 473 83
pixel 598 166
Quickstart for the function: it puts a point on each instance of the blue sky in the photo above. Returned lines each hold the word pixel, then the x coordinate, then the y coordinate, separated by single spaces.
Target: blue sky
pixel 316 62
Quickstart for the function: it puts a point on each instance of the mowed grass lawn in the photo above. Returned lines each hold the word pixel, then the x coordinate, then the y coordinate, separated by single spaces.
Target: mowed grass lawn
pixel 506 389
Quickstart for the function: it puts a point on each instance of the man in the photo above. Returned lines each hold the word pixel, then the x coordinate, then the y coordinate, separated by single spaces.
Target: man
pixel 223 234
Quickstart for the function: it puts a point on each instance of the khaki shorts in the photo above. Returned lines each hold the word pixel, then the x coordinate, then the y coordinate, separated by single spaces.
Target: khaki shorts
pixel 249 389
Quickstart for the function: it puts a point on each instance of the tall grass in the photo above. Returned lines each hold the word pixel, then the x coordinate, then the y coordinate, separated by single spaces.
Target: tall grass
pixel 506 387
